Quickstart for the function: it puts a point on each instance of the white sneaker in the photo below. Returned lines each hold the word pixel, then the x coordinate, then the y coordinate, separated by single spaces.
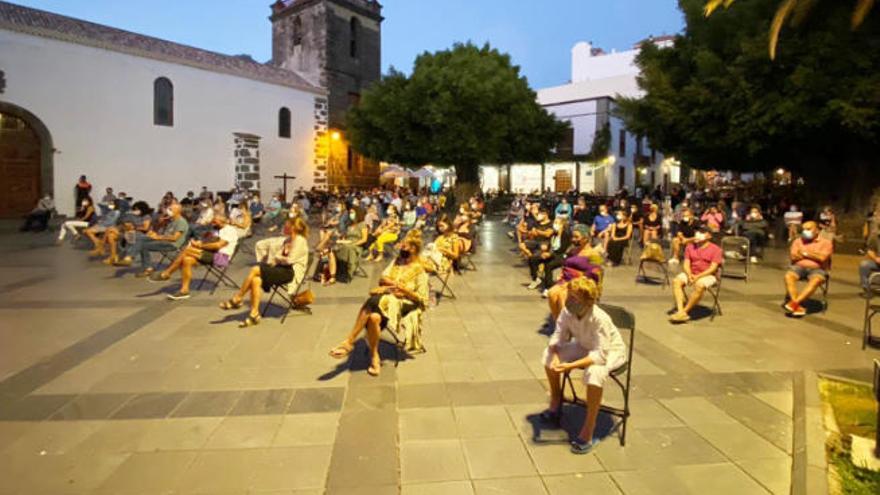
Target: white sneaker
pixel 545 293
pixel 754 259
pixel 535 283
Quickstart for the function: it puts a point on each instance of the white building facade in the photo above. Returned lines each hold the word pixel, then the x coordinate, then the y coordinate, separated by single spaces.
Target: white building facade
pixel 143 115
pixel 587 104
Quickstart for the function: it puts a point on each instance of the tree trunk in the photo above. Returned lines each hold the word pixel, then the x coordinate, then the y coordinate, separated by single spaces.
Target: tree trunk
pixel 467 182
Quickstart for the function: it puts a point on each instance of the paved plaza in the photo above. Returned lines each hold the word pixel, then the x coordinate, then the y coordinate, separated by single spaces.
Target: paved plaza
pixel 106 387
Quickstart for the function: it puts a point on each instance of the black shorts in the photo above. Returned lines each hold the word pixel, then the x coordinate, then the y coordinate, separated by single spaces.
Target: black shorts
pixel 372 305
pixel 207 257
pixel 273 276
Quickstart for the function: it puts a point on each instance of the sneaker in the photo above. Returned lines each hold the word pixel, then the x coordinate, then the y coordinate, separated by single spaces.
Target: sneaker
pixel 545 293
pixel 144 274
pixel 581 447
pixel 179 296
pixel 799 311
pixel 754 259
pixel 157 278
pixel 791 307
pixel 535 283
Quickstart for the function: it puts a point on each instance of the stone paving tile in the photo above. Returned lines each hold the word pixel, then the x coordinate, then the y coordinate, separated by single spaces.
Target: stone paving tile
pixel 432 460
pixel 45 438
pixel 216 471
pixel 91 406
pixel 473 394
pixel 439 488
pixel 315 400
pixel 511 486
pixel 307 429
pixel 152 405
pixel 722 478
pixel 241 432
pixel 649 448
pixel 483 421
pixel 422 395
pixel 432 423
pixel 206 404
pixel 147 473
pixel 581 484
pixel 497 457
pixel 177 434
pixel 303 467
pixel 738 442
pixel 773 474
pixel 33 407
pixel 257 402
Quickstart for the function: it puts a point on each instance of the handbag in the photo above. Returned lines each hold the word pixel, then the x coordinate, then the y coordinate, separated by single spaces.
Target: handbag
pixel 304 298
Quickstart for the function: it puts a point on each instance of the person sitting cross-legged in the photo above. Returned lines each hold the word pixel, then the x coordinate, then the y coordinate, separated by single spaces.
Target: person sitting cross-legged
pixel 106 221
pixel 282 262
pixel 216 252
pixel 810 261
pixel 396 304
pixel 38 219
pixel 700 269
pixel 870 265
pixel 585 338
pixel 172 237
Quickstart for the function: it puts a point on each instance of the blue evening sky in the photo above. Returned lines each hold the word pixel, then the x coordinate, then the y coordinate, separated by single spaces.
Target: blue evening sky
pixel 538 34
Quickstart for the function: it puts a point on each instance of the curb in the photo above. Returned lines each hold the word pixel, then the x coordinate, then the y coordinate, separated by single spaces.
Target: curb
pixel 816 437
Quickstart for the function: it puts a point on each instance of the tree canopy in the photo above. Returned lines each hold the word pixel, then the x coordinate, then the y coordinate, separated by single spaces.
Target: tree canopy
pixel 715 100
pixel 461 107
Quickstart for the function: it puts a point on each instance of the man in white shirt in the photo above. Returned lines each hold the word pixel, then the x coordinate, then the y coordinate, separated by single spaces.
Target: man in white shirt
pixel 585 338
pixel 217 252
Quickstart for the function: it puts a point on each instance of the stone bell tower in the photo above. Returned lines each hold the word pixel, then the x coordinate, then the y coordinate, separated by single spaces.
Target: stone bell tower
pixel 335 44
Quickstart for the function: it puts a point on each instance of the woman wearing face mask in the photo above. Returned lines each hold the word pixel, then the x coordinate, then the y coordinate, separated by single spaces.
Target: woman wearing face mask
pixel 397 304
pixel 583 260
pixel 653 225
pixel 755 229
pixel 445 251
pixel 85 215
pixel 550 256
pixel 585 338
pixel 621 233
pixel 350 248
pixel 385 233
pixel 282 261
pixel 409 216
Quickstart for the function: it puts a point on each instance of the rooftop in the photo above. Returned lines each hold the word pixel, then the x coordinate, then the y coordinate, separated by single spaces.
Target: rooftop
pixel 54 26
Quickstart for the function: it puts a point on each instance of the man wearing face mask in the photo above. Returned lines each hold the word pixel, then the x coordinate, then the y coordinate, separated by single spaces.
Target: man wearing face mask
pixel 602 226
pixel 684 234
pixel 171 238
pixel 755 228
pixel 38 219
pixel 701 261
pixel 585 338
pixel 810 261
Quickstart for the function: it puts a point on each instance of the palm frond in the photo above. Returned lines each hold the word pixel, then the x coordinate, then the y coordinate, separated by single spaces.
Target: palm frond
pixel 802 11
pixel 782 13
pixel 863 7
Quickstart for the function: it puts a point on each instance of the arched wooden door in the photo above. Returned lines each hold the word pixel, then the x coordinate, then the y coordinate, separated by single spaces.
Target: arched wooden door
pixel 20 166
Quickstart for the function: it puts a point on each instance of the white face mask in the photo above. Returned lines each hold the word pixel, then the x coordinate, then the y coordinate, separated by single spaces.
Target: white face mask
pixel 84 204
pixel 700 237
pixel 111 206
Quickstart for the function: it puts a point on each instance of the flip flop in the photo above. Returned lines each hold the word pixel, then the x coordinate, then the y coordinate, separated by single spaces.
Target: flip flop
pixel 230 304
pixel 341 351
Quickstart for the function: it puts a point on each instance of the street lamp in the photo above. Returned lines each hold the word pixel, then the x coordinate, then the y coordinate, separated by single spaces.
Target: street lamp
pixel 335 136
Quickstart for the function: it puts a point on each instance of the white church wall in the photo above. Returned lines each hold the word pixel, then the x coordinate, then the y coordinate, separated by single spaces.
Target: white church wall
pixel 98 107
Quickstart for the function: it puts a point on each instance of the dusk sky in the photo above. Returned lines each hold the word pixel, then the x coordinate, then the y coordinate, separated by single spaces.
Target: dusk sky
pixel 538 35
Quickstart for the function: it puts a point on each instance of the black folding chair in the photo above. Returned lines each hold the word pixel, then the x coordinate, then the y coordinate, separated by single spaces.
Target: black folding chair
pixel 445 290
pixel 624 321
pixel 211 271
pixel 289 301
pixel 737 251
pixel 715 292
pixel 871 309
pixel 642 273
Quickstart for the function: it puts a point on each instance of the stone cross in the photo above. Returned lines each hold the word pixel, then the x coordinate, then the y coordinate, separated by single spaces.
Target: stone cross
pixel 285 178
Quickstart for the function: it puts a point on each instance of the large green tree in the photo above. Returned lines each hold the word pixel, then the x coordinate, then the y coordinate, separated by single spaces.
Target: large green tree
pixel 715 100
pixel 461 107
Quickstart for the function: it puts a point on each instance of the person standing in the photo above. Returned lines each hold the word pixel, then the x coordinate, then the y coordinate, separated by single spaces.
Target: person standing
pixel 81 191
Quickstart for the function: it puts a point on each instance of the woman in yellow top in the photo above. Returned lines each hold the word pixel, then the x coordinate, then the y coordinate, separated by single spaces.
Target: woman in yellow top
pixel 385 233
pixel 446 248
pixel 396 304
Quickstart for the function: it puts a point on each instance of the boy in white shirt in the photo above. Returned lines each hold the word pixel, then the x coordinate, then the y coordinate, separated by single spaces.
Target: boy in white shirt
pixel 585 338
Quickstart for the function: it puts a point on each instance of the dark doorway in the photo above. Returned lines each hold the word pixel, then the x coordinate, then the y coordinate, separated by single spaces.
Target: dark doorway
pixel 23 153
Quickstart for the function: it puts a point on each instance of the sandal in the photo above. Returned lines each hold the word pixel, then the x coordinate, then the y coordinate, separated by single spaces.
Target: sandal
pixel 342 350
pixel 250 321
pixel 331 281
pixel 375 369
pixel 230 304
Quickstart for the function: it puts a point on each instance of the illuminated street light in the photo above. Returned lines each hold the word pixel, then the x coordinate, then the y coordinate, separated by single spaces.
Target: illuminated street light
pixel 335 136
pixel 780 171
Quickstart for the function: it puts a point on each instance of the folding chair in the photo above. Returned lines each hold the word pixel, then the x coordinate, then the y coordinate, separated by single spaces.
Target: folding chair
pixel 628 251
pixel 624 321
pixel 715 292
pixel 169 256
pixel 445 290
pixel 737 251
pixel 289 302
pixel 871 309
pixel 642 273
pixel 824 288
pixel 220 273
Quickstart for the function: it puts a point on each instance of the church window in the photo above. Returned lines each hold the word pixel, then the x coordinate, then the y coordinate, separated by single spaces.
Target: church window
pixel 297 31
pixel 163 102
pixel 284 122
pixel 354 28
